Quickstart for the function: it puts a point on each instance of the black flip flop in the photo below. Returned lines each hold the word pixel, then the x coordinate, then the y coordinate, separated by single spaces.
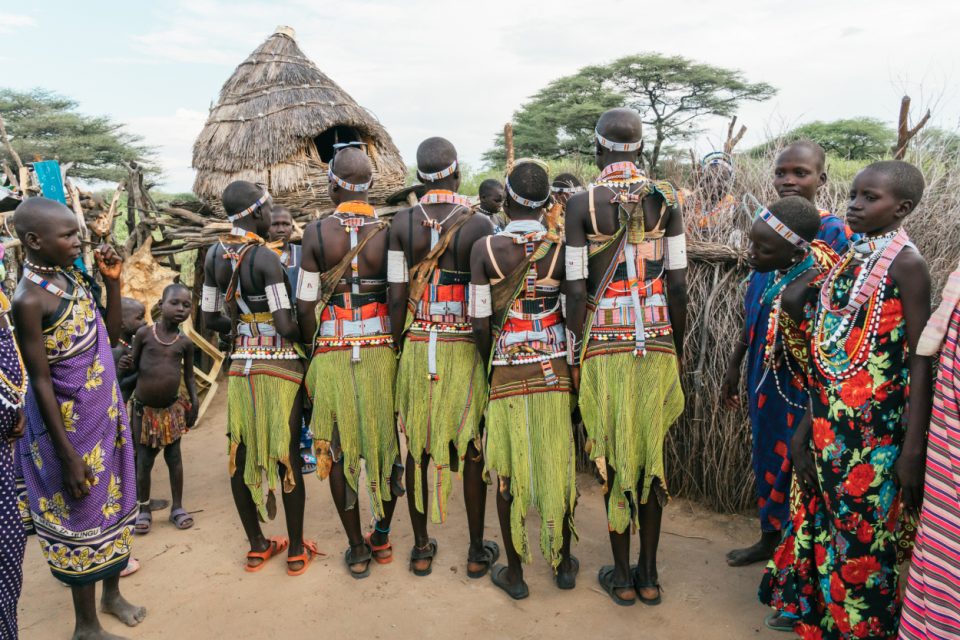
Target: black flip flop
pixel 640 584
pixel 568 579
pixel 350 559
pixel 423 554
pixel 488 555
pixel 515 591
pixel 605 577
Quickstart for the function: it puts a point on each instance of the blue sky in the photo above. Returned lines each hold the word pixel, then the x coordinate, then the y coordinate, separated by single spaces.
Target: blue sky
pixel 460 69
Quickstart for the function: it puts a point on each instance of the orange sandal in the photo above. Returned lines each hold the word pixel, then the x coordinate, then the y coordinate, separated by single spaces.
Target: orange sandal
pixel 374 548
pixel 277 545
pixel 310 552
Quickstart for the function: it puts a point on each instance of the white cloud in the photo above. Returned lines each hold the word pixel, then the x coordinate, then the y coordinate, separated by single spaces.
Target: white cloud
pixel 172 135
pixel 11 22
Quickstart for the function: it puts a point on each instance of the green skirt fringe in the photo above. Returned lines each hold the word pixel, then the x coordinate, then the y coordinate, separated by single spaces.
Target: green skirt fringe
pixel 258 416
pixel 356 400
pixel 628 404
pixel 530 441
pixel 435 413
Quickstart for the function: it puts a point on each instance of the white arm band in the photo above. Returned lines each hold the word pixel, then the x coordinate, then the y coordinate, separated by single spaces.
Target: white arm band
pixel 575 262
pixel 210 299
pixel 308 285
pixel 480 301
pixel 277 297
pixel 397 267
pixel 676 255
pixel 563 304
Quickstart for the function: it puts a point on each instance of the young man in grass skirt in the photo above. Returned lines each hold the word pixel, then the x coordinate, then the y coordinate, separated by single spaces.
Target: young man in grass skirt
pixel 76 458
pixel 626 301
pixel 515 306
pixel 264 400
pixel 441 383
pixel 342 304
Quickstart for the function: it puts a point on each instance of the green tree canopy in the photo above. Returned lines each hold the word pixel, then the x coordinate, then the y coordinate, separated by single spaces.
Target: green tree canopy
pixel 671 93
pixel 851 138
pixel 46 125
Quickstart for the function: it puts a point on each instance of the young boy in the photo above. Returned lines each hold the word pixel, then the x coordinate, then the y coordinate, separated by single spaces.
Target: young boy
pixel 799 171
pixel 859 452
pixel 133 317
pixel 514 285
pixel 76 459
pixel 163 410
pixel 491 202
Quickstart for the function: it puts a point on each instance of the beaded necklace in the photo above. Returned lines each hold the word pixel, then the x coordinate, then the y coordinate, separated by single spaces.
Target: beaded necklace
pixel 834 358
pixel 166 344
pixel 444 196
pixel 39 269
pixel 49 287
pixel 621 173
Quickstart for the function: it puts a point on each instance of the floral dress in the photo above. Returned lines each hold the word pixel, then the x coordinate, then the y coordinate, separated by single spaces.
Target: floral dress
pixel 844 559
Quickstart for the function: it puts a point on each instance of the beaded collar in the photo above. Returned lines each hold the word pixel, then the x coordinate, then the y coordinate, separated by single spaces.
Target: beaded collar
pixel 621 173
pixel 356 208
pixel 487 213
pixel 882 252
pixel 49 287
pixel 444 196
pixel 524 231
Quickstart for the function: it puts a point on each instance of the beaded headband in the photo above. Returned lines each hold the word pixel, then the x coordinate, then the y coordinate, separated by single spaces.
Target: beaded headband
pixel 437 175
pixel 349 186
pixel 259 203
pixel 526 202
pixel 717 157
pixel 573 189
pixel 618 146
pixel 763 213
pixel 337 146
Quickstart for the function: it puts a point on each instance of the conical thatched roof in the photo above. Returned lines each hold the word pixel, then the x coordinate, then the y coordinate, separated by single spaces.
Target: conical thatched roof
pixel 264 125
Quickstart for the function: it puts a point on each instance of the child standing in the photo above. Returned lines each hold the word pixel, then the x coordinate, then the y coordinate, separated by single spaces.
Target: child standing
pixel 858 461
pixel 133 316
pixel 774 405
pixel 163 410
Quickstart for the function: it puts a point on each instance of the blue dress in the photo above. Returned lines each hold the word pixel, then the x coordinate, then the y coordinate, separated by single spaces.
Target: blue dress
pixel 774 412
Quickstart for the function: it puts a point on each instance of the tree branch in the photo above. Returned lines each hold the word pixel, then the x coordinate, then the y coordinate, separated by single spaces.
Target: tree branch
pixel 9 147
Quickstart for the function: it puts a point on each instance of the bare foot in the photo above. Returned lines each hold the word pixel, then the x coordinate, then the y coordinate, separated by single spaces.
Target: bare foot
pixel 95 634
pixel 129 614
pixel 761 551
pixel 158 504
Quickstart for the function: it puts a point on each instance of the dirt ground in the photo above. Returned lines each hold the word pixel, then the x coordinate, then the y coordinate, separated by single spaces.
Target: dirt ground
pixel 193 584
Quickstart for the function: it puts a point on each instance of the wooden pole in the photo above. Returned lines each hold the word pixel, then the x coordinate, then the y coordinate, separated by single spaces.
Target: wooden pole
pixel 904 133
pixel 508 143
pixel 9 147
pixel 732 139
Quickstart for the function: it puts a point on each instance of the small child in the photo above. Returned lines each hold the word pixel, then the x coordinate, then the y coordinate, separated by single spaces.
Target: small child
pixel 858 454
pixel 162 356
pixel 491 194
pixel 133 316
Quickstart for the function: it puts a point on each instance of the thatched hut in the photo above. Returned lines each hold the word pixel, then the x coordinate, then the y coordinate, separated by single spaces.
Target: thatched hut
pixel 276 121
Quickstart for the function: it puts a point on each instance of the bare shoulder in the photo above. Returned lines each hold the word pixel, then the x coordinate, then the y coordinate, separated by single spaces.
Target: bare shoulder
pixel 910 268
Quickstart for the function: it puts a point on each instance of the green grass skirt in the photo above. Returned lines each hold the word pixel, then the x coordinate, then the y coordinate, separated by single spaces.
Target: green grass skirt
pixel 628 404
pixel 258 416
pixel 356 399
pixel 530 441
pixel 437 413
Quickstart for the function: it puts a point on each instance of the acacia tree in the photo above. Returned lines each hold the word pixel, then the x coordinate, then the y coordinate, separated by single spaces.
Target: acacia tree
pixel 42 124
pixel 671 93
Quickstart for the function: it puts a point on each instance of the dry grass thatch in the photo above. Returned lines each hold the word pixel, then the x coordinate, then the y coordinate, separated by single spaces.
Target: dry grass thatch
pixel 274 122
pixel 708 451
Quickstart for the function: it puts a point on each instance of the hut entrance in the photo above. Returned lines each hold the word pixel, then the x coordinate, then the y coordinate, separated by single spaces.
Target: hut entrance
pixel 333 135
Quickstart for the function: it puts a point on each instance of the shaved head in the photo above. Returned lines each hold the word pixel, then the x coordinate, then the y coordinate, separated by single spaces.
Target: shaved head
pixel 239 195
pixel 435 154
pixel 352 165
pixel 806 148
pixel 130 305
pixel 620 125
pixel 34 214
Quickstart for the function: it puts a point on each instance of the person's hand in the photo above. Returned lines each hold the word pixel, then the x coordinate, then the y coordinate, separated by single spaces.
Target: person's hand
pixel 575 377
pixel 730 388
pixel 804 468
pixel 126 362
pixel 78 477
pixel 908 473
pixel 108 262
pixel 192 415
pixel 19 427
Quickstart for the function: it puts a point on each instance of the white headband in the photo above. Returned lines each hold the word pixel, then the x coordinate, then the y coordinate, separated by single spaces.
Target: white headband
pixel 762 212
pixel 439 175
pixel 533 204
pixel 349 186
pixel 618 146
pixel 259 203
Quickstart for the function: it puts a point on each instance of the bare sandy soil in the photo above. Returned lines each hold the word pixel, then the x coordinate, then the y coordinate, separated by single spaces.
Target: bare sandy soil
pixel 193 584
